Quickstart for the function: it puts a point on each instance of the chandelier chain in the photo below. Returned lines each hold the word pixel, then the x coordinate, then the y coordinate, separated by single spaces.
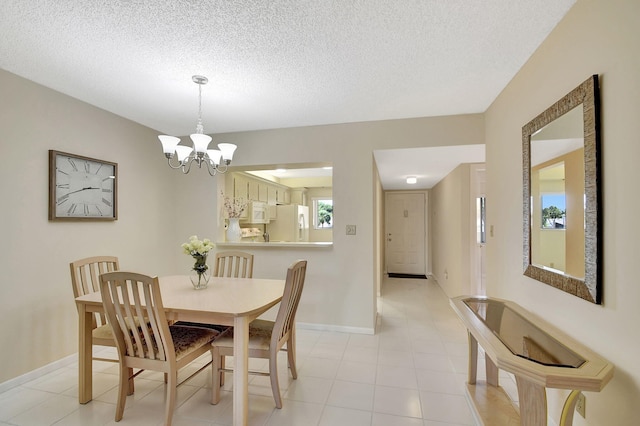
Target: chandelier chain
pixel 199 125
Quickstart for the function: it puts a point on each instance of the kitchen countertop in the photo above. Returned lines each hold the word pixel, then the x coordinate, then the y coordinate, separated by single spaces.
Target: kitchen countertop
pixel 283 244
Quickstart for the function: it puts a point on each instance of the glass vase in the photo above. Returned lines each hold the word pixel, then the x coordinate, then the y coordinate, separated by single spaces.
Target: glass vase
pixel 234 233
pixel 200 273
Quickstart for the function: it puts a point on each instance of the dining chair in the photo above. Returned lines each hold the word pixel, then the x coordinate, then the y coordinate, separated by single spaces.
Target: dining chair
pixel 267 338
pixel 236 264
pixel 131 299
pixel 231 264
pixel 85 275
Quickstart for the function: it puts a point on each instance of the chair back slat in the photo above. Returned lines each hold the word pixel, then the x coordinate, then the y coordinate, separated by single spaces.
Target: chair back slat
pixel 133 303
pixel 85 275
pixel 233 264
pixel 285 318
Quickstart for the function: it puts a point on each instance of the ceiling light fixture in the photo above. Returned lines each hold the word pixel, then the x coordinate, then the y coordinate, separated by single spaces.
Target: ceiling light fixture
pixel 411 180
pixel 216 160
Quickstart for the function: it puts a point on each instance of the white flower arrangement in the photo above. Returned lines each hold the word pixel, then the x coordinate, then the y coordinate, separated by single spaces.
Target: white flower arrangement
pixel 234 206
pixel 196 248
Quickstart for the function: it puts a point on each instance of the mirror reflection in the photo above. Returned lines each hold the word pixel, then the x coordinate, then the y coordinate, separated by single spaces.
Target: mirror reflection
pixel 562 238
pixel 557 195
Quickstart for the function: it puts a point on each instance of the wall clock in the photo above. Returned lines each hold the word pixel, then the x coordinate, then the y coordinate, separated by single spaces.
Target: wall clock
pixel 82 188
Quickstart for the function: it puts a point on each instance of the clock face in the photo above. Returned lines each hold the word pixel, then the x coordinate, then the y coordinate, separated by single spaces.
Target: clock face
pixel 83 187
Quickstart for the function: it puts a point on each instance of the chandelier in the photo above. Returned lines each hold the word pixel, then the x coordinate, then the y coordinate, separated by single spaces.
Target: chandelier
pixel 216 160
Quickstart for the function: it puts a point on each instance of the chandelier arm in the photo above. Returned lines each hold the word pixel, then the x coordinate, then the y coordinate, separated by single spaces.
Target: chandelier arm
pixel 212 169
pixel 220 167
pixel 186 165
pixel 171 165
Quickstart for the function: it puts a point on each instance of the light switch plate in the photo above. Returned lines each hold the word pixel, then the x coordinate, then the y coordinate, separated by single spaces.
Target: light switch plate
pixel 351 230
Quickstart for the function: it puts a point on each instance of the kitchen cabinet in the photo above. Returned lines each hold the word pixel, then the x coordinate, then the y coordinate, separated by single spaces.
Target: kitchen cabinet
pixel 240 187
pixel 283 196
pixel 272 196
pixel 299 196
pixel 251 188
pixel 263 192
pixel 254 190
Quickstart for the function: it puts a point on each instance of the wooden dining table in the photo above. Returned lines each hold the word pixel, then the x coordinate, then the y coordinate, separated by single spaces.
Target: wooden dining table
pixel 226 301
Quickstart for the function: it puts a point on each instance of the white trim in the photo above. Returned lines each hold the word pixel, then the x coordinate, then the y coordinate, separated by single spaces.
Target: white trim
pixel 37 373
pixel 337 328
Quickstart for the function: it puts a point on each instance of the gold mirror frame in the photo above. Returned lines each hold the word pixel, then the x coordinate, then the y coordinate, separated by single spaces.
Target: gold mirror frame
pixel 589 288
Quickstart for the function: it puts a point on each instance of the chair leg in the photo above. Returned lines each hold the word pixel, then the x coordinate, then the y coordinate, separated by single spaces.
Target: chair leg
pixel 291 355
pixel 170 404
pixel 123 387
pixel 131 385
pixel 222 365
pixel 273 375
pixel 216 374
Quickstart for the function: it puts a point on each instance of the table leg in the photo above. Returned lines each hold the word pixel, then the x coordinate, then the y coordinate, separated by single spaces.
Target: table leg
pixel 491 371
pixel 473 359
pixel 533 403
pixel 85 355
pixel 241 371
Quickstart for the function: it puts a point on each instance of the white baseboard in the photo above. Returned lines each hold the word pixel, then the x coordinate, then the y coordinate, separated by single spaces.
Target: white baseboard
pixel 337 328
pixel 31 375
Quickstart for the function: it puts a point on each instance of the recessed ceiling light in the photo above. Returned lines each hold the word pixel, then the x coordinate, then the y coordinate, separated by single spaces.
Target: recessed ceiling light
pixel 412 180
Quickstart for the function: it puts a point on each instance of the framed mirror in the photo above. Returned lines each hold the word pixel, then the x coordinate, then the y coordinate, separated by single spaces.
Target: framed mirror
pixel 562 195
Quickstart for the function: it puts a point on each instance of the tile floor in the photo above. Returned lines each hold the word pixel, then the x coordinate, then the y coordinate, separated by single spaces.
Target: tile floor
pixel 410 373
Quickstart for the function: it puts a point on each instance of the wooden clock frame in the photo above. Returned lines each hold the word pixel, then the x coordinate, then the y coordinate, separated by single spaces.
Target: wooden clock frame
pixel 55 187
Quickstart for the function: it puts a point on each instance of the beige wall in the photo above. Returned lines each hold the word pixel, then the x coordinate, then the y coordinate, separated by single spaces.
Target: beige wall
pixel 450 231
pixel 35 290
pixel 160 208
pixel 596 37
pixel 340 288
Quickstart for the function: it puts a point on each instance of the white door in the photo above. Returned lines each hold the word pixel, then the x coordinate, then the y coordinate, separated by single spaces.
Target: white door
pixel 405 233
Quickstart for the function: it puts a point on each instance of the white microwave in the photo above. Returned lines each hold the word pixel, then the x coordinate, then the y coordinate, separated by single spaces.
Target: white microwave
pixel 257 212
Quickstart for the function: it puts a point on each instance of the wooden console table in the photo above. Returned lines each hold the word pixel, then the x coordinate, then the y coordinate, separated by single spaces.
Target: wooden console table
pixel 539 355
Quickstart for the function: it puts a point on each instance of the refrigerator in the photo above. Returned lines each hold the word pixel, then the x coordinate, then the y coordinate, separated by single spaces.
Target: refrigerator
pixel 291 224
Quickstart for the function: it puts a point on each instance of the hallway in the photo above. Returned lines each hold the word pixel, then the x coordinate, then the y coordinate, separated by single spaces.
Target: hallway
pixel 411 373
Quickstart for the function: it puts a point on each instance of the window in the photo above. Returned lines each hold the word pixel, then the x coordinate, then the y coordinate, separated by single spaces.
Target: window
pixel 322 213
pixel 553 211
pixel 481 219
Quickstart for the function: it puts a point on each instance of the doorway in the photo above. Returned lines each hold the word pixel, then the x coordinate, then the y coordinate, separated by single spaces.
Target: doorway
pixel 478 230
pixel 405 234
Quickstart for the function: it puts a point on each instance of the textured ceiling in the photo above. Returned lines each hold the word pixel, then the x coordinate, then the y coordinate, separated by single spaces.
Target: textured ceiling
pixel 278 63
pixel 427 165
